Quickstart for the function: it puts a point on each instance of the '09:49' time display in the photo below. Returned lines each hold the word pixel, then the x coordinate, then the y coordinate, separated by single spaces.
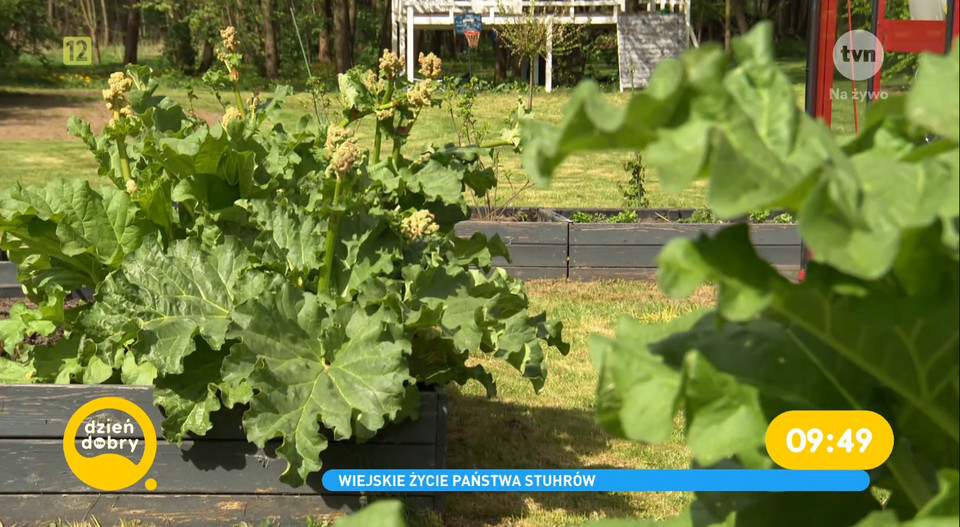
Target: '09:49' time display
pixel 824 440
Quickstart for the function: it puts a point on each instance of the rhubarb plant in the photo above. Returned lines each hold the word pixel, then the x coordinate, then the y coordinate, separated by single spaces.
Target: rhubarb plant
pixel 872 327
pixel 290 270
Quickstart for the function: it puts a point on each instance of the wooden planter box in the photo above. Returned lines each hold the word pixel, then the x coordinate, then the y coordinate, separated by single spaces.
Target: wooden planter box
pixel 218 479
pixel 629 250
pixel 538 248
pixel 9 286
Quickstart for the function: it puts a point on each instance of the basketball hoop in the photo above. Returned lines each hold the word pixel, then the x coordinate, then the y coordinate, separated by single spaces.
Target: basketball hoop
pixel 473 37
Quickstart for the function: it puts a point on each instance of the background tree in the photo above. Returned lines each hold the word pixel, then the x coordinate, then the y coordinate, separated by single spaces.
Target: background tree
pixel 343 35
pixel 272 62
pixel 88 13
pixel 131 34
pixel 534 30
pixel 25 25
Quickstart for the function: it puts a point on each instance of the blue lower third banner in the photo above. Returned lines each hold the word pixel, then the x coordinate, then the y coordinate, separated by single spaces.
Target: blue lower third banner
pixel 607 480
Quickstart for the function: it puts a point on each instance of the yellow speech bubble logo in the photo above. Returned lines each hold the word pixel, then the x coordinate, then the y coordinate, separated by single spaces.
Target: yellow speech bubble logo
pixel 110 471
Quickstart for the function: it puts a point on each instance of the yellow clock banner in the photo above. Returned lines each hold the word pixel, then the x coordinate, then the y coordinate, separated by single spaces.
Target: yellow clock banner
pixel 829 440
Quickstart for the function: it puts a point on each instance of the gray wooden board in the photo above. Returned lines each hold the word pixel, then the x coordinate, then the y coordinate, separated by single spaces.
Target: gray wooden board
pixel 183 510
pixel 200 467
pixel 653 234
pixel 516 232
pixel 42 411
pixel 523 255
pixel 9 286
pixel 646 255
pixel 11 291
pixel 589 274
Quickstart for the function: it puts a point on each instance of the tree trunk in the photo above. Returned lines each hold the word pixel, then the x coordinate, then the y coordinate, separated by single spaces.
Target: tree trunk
pixel 271 59
pixel 501 57
pixel 131 36
pixel 342 35
pixel 386 27
pixel 106 23
pixel 726 24
pixel 206 58
pixel 532 64
pixel 352 12
pixel 323 40
pixel 741 16
pixel 88 11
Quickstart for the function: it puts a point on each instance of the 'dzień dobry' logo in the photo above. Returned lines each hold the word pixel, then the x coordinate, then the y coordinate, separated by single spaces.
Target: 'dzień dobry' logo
pixel 110 470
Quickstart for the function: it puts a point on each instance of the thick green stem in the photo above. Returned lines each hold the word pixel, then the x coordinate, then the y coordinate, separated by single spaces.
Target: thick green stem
pixel 124 160
pixel 378 135
pixel 239 99
pixel 330 244
pixel 496 143
pixel 377 139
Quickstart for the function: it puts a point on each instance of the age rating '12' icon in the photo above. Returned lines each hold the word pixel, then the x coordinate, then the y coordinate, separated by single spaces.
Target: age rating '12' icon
pixel 77 51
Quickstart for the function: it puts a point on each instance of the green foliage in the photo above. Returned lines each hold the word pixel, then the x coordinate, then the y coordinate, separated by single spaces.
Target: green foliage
pixel 786 217
pixel 701 215
pixel 387 513
pixel 624 216
pixel 873 326
pixel 23 28
pixel 285 269
pixel 633 192
pixel 759 215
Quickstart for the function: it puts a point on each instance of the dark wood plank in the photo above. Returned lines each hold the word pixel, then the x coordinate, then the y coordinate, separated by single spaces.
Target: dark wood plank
pixel 27 510
pixel 658 234
pixel 516 232
pixel 225 467
pixel 590 274
pixel 10 291
pixel 42 411
pixel 524 255
pixel 646 255
pixel 8 274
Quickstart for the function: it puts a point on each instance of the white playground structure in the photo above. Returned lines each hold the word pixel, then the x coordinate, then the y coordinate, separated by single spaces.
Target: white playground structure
pixel 409 15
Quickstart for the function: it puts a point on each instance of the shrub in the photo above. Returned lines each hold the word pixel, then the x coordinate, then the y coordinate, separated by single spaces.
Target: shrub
pixel 873 325
pixel 232 261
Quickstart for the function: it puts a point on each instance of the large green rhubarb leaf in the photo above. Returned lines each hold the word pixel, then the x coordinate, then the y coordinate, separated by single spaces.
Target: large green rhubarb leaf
pixel 70 231
pixel 175 295
pixel 731 118
pixel 343 367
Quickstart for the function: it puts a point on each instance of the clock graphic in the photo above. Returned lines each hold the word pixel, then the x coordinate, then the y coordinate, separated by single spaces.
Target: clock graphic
pixel 829 439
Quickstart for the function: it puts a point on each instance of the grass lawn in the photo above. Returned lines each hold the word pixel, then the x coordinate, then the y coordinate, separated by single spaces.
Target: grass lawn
pixel 556 429
pixel 35 148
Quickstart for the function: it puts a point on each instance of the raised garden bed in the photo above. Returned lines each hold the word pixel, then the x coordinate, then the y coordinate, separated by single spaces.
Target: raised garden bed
pixel 556 247
pixel 9 286
pixel 218 479
pixel 629 250
pixel 537 245
pixel 547 244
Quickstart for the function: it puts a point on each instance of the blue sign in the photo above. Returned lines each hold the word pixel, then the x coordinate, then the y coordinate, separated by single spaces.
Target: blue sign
pixel 464 22
pixel 604 480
